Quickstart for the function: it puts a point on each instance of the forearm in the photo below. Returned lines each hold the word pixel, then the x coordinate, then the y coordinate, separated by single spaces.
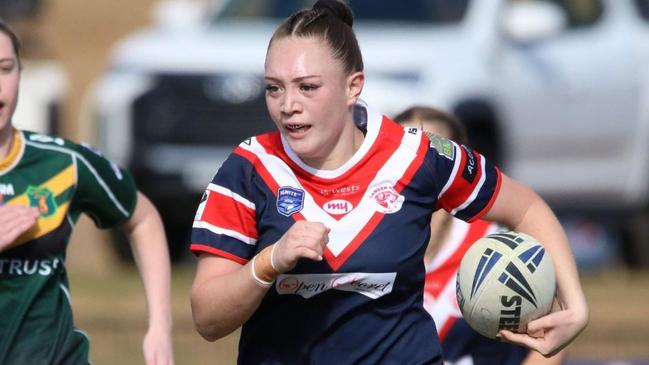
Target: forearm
pixel 150 250
pixel 149 245
pixel 541 223
pixel 221 304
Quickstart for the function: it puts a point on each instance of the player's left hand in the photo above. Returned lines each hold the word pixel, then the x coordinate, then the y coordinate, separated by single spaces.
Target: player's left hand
pixel 158 348
pixel 549 334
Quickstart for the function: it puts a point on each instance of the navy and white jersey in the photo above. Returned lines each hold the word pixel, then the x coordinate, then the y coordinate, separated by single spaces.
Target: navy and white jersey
pixel 362 304
pixel 460 343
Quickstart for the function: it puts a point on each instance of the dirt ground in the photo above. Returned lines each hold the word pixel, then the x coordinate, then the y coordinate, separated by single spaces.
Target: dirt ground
pixel 79 34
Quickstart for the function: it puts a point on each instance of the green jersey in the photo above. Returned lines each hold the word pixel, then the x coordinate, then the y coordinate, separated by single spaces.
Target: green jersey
pixel 63 179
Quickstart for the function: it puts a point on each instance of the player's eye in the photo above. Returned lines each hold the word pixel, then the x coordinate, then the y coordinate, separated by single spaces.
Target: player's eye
pixel 308 87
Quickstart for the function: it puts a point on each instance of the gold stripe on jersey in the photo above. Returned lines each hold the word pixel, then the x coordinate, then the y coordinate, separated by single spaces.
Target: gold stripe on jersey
pixel 14 154
pixel 47 222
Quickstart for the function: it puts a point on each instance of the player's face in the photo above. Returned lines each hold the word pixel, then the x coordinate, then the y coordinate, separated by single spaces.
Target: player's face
pixel 310 98
pixel 9 80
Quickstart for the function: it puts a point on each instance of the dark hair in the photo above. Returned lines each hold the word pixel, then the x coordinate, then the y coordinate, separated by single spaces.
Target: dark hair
pixel 15 41
pixel 330 20
pixel 428 114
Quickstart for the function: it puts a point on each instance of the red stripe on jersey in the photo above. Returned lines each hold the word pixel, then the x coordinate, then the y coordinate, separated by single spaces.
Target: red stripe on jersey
pixel 264 174
pixel 442 332
pixel 461 189
pixel 335 262
pixel 493 197
pixel 390 136
pixel 225 212
pixel 198 248
pixel 437 279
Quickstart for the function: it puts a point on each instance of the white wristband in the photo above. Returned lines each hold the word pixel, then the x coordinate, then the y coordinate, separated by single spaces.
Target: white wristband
pixel 264 283
pixel 272 258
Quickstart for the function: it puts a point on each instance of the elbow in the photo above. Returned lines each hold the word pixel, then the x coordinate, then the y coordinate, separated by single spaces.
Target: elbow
pixel 207 333
pixel 210 328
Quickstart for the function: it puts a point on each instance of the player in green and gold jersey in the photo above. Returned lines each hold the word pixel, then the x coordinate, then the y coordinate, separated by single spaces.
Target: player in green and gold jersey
pixel 46 183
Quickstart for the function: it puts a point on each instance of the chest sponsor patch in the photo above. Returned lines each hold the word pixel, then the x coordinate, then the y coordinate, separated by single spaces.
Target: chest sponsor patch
pixel 372 285
pixel 387 199
pixel 289 200
pixel 338 206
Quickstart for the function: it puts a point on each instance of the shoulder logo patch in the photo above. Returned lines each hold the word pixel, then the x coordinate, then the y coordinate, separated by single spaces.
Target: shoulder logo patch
pixel 289 200
pixel 442 145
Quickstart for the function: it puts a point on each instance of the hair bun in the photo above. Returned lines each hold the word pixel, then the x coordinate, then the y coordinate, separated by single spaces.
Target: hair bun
pixel 336 8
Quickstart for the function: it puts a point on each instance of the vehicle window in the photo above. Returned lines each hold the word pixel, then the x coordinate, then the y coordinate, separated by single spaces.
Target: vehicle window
pixel 580 13
pixel 643 8
pixel 423 11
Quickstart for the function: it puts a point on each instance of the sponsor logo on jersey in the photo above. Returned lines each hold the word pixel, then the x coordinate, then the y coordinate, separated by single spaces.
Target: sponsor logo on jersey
pixel 387 199
pixel 337 206
pixel 46 139
pixel 289 200
pixel 443 146
pixel 43 199
pixel 341 190
pixel 6 189
pixel 469 171
pixel 372 285
pixel 18 267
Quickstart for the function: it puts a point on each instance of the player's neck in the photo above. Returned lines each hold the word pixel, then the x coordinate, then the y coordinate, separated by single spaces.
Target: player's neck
pixel 6 141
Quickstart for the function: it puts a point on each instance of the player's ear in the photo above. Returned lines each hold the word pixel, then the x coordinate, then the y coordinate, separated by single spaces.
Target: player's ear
pixel 355 83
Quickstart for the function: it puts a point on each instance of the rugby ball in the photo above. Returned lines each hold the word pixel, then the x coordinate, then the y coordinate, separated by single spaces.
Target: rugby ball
pixel 505 280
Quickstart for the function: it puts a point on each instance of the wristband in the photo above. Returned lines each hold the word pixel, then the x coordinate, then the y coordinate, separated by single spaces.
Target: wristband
pixel 264 283
pixel 262 269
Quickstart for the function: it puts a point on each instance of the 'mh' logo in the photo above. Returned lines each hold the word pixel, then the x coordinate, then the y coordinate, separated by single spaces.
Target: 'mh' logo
pixel 337 206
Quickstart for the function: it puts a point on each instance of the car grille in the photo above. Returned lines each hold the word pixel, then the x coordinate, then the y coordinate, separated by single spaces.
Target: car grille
pixel 201 110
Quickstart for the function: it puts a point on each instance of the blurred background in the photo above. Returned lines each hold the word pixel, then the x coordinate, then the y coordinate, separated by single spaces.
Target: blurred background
pixel 556 92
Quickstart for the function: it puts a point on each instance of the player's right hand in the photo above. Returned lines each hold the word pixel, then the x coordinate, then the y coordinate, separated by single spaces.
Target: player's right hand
pixel 303 239
pixel 14 221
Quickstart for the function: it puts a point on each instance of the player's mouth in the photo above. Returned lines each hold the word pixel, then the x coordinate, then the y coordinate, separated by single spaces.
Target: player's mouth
pixel 295 129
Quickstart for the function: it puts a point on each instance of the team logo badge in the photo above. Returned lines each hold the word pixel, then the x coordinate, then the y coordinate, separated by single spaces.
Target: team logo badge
pixel 289 200
pixel 443 146
pixel 43 199
pixel 387 199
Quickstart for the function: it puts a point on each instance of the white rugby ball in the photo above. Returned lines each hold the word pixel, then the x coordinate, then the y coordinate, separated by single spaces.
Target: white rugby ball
pixel 505 280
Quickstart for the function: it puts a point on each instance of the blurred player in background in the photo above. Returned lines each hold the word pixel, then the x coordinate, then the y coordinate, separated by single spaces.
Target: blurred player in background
pixel 46 183
pixel 450 238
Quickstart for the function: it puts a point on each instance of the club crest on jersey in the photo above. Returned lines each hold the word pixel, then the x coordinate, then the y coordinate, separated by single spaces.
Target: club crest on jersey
pixel 43 199
pixel 387 199
pixel 289 200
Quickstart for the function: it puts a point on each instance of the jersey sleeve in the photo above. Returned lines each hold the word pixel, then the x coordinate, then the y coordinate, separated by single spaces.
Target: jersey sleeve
pixel 225 221
pixel 105 192
pixel 467 183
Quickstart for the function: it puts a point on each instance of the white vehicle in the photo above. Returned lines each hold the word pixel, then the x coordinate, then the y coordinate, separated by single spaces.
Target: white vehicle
pixel 556 92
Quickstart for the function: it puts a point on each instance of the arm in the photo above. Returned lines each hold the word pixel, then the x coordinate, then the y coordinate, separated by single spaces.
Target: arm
pixel 520 208
pixel 149 246
pixel 14 221
pixel 225 294
pixel 535 358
